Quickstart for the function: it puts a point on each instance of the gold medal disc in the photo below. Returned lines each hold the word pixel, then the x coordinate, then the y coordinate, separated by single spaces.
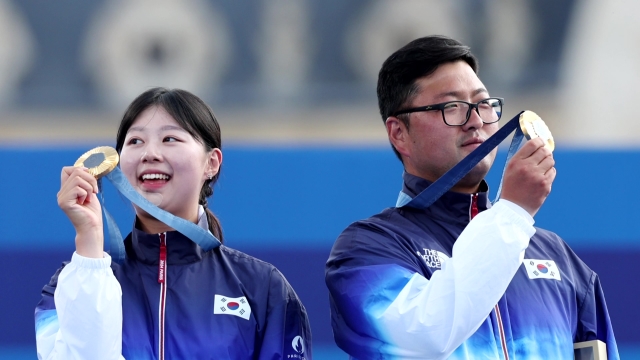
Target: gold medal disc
pixel 533 127
pixel 100 161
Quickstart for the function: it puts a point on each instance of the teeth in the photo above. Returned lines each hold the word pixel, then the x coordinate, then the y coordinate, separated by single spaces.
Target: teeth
pixel 155 176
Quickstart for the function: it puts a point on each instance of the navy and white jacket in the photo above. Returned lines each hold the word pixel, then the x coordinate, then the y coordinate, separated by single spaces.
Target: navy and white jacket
pixel 170 299
pixel 434 284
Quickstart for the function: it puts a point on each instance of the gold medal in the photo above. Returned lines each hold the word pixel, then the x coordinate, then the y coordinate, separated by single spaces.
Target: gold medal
pixel 100 161
pixel 533 127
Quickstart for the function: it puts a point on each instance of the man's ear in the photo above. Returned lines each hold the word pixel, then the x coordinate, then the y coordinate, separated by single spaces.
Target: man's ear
pixel 398 134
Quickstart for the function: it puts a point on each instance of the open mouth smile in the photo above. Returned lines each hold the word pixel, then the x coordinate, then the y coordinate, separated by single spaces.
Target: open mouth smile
pixel 153 180
pixel 156 176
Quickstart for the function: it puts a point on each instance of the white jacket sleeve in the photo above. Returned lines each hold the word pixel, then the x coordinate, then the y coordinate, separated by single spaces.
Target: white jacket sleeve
pixel 87 321
pixel 429 319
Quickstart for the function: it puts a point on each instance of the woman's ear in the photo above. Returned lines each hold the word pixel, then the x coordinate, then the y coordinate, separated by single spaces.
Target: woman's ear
pixel 214 161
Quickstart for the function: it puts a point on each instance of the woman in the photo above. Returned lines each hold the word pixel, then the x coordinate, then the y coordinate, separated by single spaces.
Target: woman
pixel 169 298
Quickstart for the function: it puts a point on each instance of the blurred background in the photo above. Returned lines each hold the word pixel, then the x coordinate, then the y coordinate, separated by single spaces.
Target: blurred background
pixel 292 83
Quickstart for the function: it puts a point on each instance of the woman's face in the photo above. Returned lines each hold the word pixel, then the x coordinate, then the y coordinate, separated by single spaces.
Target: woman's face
pixel 164 163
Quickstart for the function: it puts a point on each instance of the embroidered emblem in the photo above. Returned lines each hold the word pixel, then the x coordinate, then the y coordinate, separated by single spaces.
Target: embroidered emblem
pixel 232 306
pixel 542 269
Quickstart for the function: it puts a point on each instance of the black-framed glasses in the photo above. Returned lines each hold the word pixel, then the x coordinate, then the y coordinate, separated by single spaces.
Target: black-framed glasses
pixel 457 113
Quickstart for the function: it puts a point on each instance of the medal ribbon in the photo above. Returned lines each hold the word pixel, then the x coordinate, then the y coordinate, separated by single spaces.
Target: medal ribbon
pixel 432 193
pixel 200 236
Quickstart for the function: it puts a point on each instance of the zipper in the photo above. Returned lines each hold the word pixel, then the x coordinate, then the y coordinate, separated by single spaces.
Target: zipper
pixel 473 211
pixel 503 339
pixel 162 280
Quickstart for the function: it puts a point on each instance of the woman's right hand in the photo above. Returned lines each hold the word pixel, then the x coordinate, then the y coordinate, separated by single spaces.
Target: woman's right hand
pixel 77 198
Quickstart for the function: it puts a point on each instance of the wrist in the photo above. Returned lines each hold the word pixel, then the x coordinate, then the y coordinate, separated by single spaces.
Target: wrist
pixel 522 204
pixel 90 243
pixel 518 209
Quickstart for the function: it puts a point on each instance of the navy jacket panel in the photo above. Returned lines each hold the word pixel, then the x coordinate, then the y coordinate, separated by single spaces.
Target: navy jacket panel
pixel 277 326
pixel 552 301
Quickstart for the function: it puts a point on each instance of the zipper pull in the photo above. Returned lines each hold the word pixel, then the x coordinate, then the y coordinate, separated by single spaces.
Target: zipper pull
pixel 162 264
pixel 474 205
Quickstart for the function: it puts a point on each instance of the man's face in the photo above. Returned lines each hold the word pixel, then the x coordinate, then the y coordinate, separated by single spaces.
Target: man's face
pixel 430 147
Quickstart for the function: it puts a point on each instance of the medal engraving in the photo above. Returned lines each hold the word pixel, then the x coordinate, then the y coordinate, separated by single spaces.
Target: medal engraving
pixel 533 127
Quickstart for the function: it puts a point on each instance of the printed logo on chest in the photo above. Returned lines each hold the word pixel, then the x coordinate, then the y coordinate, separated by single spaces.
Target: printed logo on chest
pixel 433 258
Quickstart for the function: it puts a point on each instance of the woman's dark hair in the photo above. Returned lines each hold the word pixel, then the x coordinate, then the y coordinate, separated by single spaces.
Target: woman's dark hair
pixel 419 58
pixel 195 117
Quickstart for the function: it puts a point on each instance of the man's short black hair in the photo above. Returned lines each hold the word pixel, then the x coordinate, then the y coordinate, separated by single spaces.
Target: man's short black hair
pixel 417 59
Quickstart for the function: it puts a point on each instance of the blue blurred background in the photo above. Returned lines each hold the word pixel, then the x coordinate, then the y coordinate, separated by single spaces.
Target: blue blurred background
pixel 305 153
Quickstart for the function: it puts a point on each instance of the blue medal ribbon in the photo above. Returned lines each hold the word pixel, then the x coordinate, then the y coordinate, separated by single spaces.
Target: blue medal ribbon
pixel 432 193
pixel 204 238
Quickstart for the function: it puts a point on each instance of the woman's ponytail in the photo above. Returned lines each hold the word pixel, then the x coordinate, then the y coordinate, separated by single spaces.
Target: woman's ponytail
pixel 214 223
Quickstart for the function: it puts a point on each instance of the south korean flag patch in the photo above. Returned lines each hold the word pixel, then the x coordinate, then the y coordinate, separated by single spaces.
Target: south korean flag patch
pixel 232 306
pixel 542 269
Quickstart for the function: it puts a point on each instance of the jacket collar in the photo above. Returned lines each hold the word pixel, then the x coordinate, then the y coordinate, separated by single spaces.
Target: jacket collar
pixel 181 250
pixel 451 206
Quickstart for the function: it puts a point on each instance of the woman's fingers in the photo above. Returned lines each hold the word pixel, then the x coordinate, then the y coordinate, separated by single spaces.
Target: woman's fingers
pixel 77 184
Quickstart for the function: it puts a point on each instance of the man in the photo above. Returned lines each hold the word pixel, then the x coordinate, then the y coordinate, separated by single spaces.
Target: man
pixel 433 283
